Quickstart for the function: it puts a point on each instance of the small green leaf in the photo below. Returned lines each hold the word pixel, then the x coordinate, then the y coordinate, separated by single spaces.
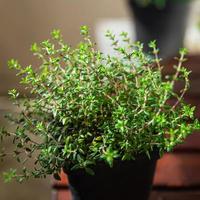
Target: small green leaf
pixel 84 30
pixel 8 176
pixel 56 34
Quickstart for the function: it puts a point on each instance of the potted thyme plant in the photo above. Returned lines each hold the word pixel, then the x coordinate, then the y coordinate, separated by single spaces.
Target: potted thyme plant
pixel 103 119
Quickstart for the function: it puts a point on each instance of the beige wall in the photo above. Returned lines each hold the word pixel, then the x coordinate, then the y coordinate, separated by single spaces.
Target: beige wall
pixel 26 21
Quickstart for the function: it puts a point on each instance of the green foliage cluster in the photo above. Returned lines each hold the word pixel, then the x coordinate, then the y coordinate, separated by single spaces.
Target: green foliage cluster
pixel 91 107
pixel 157 3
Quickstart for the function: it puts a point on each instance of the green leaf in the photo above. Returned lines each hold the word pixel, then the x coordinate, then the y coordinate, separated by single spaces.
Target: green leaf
pixel 8 176
pixel 84 30
pixel 56 34
pixel 90 171
pixel 34 48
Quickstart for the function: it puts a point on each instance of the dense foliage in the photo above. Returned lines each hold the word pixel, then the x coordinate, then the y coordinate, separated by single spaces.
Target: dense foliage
pixel 157 3
pixel 88 106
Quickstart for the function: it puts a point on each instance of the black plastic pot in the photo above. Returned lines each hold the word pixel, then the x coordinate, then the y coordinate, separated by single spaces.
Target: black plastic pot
pixel 166 25
pixel 125 181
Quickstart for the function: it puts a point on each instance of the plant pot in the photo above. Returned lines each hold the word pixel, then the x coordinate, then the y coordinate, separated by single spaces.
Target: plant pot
pixel 126 180
pixel 166 25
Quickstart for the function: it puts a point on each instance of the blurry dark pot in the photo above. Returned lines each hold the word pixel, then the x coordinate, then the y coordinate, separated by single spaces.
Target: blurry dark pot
pixel 166 25
pixel 126 180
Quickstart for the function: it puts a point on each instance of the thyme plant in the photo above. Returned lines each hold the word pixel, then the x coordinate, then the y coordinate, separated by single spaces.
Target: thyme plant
pixel 88 107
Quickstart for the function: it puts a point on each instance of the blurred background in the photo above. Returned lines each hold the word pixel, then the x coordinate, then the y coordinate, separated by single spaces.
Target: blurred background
pixel 24 22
